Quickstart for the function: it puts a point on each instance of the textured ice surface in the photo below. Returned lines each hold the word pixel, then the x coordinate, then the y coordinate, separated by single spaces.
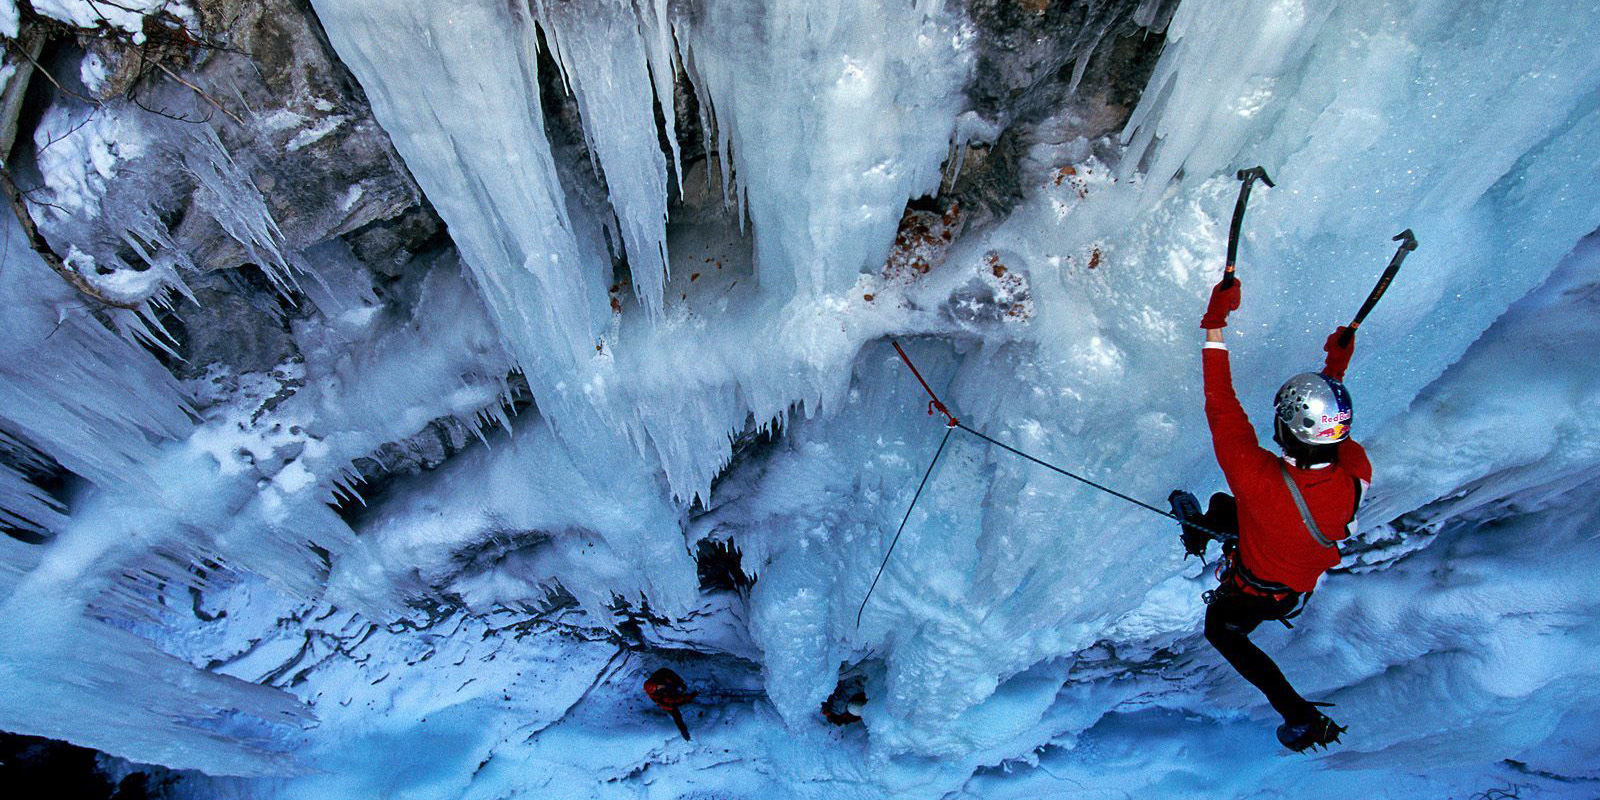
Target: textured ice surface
pixel 1029 634
pixel 1005 565
pixel 604 57
pixel 89 398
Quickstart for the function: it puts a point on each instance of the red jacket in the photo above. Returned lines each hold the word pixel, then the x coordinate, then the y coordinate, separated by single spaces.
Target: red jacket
pixel 667 690
pixel 1274 544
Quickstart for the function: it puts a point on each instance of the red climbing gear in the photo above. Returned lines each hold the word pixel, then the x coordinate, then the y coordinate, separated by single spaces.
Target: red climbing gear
pixel 669 692
pixel 934 404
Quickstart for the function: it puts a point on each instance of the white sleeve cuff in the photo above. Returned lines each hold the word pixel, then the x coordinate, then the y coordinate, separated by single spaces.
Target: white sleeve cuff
pixel 1214 346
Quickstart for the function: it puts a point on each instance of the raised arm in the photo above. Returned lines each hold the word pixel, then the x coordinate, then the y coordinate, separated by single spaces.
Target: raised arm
pixel 1232 436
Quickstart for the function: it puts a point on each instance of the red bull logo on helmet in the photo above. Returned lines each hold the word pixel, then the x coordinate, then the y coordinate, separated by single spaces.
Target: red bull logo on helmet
pixel 1334 433
pixel 1339 419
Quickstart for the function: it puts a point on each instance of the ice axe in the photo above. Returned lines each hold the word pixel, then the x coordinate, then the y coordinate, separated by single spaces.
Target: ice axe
pixel 1408 242
pixel 1249 176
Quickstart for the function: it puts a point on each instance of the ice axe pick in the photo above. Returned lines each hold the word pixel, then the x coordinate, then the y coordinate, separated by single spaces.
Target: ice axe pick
pixel 1248 176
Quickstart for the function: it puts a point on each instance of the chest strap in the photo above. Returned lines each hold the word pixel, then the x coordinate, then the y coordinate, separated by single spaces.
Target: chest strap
pixel 1300 503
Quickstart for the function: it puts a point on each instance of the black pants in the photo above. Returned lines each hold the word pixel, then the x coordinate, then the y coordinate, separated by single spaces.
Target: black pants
pixel 1230 618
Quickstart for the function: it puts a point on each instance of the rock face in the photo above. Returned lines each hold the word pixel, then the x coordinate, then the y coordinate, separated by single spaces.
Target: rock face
pixel 1034 56
pixel 320 161
pixel 1080 65
pixel 250 85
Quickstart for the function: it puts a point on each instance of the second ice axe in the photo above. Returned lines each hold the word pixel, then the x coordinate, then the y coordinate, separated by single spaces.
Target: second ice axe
pixel 1408 242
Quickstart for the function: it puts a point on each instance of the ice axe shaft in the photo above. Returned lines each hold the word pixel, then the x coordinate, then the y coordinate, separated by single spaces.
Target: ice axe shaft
pixel 1248 176
pixel 1408 242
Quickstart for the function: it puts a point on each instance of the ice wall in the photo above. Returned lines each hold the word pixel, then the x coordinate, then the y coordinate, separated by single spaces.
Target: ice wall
pixel 1473 127
pixel 1371 118
pixel 98 404
pixel 826 120
pixel 1530 372
pixel 1066 329
pixel 69 386
pixel 245 489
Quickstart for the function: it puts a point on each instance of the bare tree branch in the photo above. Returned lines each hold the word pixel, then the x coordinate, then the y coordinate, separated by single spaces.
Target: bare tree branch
pixel 197 90
pixel 59 87
pixel 85 121
pixel 42 247
pixel 169 115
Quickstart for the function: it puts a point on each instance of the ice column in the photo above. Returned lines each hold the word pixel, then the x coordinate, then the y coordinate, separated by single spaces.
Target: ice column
pixel 831 116
pixel 456 87
pixel 603 57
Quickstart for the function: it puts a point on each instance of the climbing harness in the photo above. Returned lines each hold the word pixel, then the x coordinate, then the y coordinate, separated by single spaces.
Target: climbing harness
pixel 1232 577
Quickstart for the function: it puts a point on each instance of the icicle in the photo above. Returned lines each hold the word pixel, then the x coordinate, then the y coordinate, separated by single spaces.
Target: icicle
pixel 230 196
pixel 1078 68
pixel 663 71
pixel 88 397
pixel 474 139
pixel 604 54
pixel 25 506
pixel 502 417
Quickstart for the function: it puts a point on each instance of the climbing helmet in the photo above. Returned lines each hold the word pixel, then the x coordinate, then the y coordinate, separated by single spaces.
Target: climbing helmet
pixel 1315 408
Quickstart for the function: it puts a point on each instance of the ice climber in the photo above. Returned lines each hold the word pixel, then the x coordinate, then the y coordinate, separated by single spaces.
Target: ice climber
pixel 1281 527
pixel 848 700
pixel 669 692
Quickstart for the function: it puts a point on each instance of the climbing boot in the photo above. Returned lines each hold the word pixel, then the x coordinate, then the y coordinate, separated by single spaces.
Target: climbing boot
pixel 1187 509
pixel 1314 730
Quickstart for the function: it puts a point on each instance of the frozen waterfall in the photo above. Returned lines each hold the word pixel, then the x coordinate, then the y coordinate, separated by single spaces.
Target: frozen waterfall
pixel 463 494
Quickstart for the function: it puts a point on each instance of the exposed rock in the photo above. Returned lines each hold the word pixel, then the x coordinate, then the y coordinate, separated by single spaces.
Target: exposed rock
pixel 436 442
pixel 986 180
pixel 920 244
pixel 236 319
pixel 388 245
pixel 310 143
pixel 1083 62
pixel 1034 54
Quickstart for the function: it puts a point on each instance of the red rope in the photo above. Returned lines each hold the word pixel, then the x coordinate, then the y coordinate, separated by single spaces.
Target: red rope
pixel 934 404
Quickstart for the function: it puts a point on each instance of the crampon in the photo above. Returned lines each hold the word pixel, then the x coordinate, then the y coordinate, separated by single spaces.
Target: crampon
pixel 1318 731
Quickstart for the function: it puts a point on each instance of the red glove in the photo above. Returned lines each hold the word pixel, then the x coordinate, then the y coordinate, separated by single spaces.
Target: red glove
pixel 1223 300
pixel 1340 346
